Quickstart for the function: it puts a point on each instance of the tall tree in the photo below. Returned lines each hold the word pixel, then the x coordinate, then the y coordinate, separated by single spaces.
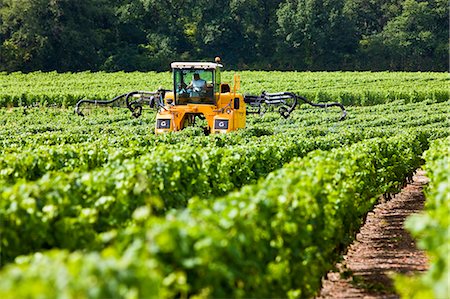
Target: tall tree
pixel 132 35
pixel 152 33
pixel 220 33
pixel 257 20
pixel 317 34
pixel 416 39
pixel 53 34
pixel 370 16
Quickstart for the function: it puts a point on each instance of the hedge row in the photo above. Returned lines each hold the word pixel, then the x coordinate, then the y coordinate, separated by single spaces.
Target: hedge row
pixel 276 238
pixel 350 88
pixel 432 228
pixel 67 210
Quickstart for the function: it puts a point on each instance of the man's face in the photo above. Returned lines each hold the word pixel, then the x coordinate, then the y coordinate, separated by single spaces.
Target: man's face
pixel 196 76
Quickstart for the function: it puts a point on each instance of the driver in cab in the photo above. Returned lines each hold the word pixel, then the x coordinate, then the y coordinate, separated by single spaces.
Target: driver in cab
pixel 197 85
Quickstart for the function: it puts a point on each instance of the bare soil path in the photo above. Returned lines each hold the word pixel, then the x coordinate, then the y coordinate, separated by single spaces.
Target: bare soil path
pixel 381 247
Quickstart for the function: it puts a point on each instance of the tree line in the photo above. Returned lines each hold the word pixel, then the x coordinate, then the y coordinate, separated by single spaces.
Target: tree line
pixel 112 35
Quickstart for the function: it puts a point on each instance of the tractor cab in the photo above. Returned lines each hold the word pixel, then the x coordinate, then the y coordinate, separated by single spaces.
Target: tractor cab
pixel 196 82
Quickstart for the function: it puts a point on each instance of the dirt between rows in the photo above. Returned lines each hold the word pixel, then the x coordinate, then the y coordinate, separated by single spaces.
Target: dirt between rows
pixel 382 247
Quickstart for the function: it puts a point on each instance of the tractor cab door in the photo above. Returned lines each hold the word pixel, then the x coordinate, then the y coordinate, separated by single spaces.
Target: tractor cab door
pixel 194 86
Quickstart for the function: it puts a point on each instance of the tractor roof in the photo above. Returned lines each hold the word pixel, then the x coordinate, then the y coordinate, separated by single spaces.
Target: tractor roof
pixel 195 65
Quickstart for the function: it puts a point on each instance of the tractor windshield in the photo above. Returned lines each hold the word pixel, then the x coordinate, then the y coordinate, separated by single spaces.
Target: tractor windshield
pixel 194 86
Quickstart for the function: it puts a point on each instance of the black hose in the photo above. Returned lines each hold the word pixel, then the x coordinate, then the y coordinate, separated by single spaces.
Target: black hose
pixel 326 105
pixel 130 104
pixel 77 106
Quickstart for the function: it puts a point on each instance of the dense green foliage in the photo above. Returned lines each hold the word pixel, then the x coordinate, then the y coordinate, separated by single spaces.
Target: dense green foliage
pixel 432 228
pixel 278 237
pixel 63 166
pixel 68 35
pixel 349 88
pixel 100 207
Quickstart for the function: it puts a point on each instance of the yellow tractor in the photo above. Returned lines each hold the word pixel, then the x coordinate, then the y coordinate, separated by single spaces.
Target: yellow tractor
pixel 199 93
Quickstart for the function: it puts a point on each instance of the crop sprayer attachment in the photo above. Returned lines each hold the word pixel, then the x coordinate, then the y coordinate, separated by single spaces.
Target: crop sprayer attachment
pixel 198 93
pixel 135 101
pixel 286 103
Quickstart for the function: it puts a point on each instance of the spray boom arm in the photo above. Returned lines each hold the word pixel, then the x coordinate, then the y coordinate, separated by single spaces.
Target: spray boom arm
pixel 286 102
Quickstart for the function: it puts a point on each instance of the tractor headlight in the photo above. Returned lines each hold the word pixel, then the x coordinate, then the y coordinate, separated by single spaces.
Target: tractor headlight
pixel 163 123
pixel 221 124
